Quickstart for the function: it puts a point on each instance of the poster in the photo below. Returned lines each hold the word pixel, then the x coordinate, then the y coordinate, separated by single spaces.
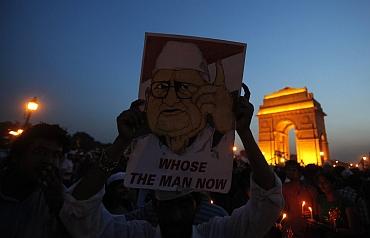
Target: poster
pixel 188 84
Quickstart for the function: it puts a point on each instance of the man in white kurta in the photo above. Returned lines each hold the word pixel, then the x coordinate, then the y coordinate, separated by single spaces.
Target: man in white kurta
pixel 177 107
pixel 89 218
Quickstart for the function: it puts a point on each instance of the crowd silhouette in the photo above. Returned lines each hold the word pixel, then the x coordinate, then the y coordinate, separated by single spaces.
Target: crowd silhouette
pixel 40 169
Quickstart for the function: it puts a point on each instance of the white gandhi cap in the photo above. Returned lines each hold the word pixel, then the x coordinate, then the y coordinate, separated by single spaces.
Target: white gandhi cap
pixel 182 55
pixel 115 177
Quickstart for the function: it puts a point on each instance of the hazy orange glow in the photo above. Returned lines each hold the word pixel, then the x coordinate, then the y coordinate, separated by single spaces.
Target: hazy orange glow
pixel 32 106
pixel 16 133
pixel 286 108
pixel 235 148
pixel 285 92
pixel 307 154
pixel 292 108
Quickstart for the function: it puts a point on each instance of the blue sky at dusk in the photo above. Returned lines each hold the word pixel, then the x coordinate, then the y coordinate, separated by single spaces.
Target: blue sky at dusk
pixel 82 59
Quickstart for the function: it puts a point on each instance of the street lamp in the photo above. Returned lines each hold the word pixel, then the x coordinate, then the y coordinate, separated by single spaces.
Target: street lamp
pixel 32 106
pixel 16 133
pixel 363 162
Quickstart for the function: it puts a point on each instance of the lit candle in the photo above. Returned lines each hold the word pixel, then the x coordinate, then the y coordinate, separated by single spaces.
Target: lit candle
pixel 303 204
pixel 279 225
pixel 311 216
pixel 211 201
pixel 284 216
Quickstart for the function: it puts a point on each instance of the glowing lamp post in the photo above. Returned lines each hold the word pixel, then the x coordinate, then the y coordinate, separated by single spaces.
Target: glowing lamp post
pixel 363 162
pixel 16 133
pixel 32 106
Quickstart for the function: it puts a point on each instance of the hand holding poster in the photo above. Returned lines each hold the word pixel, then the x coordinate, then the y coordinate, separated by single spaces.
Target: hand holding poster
pixel 188 85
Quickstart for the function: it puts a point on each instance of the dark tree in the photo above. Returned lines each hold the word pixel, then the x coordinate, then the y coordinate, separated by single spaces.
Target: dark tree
pixel 83 141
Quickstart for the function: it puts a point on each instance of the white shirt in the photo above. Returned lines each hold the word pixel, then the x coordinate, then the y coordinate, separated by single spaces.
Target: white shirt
pixel 89 218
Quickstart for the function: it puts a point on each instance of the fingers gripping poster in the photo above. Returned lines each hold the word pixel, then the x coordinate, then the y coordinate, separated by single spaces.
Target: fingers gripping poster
pixel 189 85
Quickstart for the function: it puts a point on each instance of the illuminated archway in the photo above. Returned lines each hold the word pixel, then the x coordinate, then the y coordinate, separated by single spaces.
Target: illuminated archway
pixel 292 108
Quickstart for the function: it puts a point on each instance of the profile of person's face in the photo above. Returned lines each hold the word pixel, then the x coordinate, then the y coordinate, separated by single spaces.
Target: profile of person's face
pixel 170 109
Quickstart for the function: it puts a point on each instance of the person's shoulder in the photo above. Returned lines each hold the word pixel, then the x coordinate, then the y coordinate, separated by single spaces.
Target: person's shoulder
pixel 214 209
pixel 206 211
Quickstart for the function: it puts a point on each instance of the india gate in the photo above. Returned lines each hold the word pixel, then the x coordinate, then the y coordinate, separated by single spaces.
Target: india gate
pixel 292 108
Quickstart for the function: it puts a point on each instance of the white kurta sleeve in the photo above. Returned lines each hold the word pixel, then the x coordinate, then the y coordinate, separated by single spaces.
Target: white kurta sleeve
pixel 89 218
pixel 253 219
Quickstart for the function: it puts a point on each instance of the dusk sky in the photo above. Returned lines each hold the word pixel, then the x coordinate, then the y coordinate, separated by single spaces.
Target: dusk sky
pixel 82 59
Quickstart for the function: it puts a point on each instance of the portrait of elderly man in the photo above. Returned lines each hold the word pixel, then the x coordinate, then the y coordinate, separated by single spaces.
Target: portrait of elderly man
pixel 189 109
pixel 181 96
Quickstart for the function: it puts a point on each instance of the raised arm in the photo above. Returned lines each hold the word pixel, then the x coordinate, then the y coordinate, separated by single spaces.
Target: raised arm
pixel 257 216
pixel 262 174
pixel 131 123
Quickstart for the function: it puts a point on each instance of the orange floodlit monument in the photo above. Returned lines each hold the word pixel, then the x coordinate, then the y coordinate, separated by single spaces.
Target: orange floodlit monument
pixel 292 108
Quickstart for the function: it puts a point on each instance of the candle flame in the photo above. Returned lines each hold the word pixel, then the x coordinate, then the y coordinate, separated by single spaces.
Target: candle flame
pixel 310 208
pixel 284 216
pixel 303 203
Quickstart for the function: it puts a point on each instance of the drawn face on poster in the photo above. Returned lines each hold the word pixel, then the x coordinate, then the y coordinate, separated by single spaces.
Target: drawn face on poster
pixel 183 96
pixel 189 85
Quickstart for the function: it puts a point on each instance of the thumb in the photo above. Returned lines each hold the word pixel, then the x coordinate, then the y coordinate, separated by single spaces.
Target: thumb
pixel 247 93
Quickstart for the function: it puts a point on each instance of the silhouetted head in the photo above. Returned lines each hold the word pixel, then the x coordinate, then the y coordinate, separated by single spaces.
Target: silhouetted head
pixel 40 145
pixel 292 170
pixel 326 182
pixel 175 216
